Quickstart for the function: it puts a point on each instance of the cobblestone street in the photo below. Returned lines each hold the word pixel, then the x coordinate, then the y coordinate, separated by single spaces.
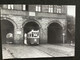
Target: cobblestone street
pixel 40 51
pixel 50 26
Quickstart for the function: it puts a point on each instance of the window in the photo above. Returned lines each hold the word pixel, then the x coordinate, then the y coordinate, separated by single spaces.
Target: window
pixel 24 7
pixel 38 8
pixel 57 9
pixel 10 6
pixel 51 8
pixel 45 8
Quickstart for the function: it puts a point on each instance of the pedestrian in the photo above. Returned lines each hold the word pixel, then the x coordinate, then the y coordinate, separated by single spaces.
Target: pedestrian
pixel 25 38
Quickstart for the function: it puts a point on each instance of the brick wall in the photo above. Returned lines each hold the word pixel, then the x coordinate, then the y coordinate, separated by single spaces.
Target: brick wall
pixel 44 19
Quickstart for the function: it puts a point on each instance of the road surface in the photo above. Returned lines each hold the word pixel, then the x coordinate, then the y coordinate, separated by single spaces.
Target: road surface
pixel 40 51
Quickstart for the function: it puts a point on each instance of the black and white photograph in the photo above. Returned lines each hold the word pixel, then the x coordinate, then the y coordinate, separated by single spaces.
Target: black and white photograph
pixel 37 31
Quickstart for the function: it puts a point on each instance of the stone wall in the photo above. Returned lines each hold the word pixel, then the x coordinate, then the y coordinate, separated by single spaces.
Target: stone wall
pixel 43 21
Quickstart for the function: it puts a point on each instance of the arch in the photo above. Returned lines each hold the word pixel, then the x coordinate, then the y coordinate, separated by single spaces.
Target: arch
pixel 55 33
pixel 55 22
pixel 9 19
pixel 7 30
pixel 28 26
pixel 69 37
pixel 31 21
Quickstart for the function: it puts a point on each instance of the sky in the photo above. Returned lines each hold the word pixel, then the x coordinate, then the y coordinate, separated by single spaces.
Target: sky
pixel 71 10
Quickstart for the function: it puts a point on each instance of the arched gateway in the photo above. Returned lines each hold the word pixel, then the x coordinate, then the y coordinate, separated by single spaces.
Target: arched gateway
pixel 29 26
pixel 7 30
pixel 55 33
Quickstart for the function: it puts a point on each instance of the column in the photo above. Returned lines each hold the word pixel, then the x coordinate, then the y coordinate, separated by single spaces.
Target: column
pixel 18 35
pixel 43 35
pixel 64 35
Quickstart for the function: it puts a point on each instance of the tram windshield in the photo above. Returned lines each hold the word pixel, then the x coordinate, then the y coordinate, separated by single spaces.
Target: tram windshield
pixel 33 34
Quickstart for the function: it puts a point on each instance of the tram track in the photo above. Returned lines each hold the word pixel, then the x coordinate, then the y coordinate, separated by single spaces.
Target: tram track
pixel 61 49
pixel 56 50
pixel 9 52
pixel 51 52
pixel 43 51
pixel 37 51
pixel 34 47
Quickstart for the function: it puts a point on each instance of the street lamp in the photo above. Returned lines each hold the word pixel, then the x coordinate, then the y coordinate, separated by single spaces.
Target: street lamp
pixel 63 38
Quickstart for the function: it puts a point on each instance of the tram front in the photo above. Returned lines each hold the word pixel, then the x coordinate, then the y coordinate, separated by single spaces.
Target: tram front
pixel 33 37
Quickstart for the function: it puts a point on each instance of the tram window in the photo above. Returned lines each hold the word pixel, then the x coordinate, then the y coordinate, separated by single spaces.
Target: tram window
pixel 29 35
pixel 35 35
pixel 32 34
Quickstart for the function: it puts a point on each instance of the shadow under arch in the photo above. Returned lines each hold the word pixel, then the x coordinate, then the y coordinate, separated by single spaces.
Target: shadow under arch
pixel 58 22
pixel 30 25
pixel 25 22
pixel 55 31
pixel 10 20
pixel 70 37
pixel 7 32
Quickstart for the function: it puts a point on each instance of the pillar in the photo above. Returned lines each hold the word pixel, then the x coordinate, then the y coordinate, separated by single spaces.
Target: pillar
pixel 18 35
pixel 43 35
pixel 64 34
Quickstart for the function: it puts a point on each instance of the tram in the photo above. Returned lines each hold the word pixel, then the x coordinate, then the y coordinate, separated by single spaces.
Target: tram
pixel 33 37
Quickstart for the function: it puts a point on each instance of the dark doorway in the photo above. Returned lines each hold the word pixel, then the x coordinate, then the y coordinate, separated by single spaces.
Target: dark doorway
pixel 54 33
pixel 29 26
pixel 69 37
pixel 6 28
pixel 26 7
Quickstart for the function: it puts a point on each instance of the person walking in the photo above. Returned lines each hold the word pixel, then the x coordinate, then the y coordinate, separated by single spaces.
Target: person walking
pixel 25 39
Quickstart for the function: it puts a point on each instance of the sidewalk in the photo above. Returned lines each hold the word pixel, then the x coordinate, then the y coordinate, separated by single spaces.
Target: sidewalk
pixel 6 54
pixel 22 51
pixel 42 50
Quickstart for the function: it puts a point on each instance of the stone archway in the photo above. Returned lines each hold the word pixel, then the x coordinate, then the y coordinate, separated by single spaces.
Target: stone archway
pixel 7 27
pixel 55 31
pixel 10 20
pixel 30 25
pixel 25 22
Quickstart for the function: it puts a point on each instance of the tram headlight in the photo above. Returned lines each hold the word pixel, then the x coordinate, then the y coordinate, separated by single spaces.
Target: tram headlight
pixel 35 40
